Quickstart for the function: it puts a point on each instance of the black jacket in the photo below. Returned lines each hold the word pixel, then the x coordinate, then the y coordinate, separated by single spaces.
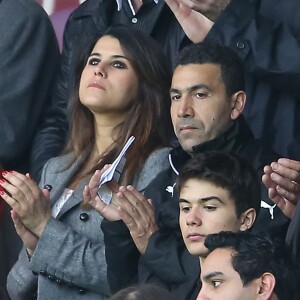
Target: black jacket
pixel 293 234
pixel 166 261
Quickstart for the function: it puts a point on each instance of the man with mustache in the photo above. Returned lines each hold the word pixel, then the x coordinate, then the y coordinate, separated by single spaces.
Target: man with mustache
pixel 208 99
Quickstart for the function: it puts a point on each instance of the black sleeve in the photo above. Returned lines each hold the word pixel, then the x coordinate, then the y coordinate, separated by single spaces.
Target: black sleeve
pixel 293 233
pixel 121 254
pixel 52 131
pixel 166 261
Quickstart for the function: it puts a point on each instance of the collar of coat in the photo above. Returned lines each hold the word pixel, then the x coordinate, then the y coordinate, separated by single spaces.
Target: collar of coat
pixel 232 140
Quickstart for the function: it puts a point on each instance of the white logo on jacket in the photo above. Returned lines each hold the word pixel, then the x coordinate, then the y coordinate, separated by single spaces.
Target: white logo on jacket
pixel 170 189
pixel 264 204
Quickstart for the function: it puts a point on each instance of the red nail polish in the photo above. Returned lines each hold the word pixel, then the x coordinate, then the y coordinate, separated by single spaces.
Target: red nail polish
pixel 11 172
pixel 2 192
pixel 1 189
pixel 2 180
pixel 4 173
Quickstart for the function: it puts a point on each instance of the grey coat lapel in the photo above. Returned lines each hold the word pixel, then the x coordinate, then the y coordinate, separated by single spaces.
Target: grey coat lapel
pixel 60 181
pixel 74 199
pixel 63 178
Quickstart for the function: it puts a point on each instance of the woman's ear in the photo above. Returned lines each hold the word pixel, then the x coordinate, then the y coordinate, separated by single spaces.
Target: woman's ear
pixel 247 219
pixel 238 101
pixel 267 284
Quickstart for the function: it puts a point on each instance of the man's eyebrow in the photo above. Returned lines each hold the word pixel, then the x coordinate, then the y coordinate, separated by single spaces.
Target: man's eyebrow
pixel 182 200
pixel 208 198
pixel 203 199
pixel 211 275
pixel 192 88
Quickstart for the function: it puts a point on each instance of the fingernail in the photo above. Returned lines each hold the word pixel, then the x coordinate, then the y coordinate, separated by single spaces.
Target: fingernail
pixel 4 173
pixel 48 187
pixel 1 189
pixel 2 192
pixel 274 165
pixel 29 175
pixel 11 172
pixel 2 180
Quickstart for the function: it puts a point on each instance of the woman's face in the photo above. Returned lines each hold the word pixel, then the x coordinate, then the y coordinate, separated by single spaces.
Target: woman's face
pixel 108 83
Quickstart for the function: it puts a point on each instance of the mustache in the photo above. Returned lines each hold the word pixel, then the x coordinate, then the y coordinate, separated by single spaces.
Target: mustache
pixel 189 122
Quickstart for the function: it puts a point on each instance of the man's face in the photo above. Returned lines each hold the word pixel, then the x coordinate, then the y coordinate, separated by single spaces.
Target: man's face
pixel 200 108
pixel 205 209
pixel 221 282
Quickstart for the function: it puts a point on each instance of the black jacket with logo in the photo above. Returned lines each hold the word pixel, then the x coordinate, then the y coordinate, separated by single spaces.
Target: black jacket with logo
pixel 166 261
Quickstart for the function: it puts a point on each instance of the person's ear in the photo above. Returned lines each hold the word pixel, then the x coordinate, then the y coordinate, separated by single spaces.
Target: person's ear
pixel 266 286
pixel 247 219
pixel 238 101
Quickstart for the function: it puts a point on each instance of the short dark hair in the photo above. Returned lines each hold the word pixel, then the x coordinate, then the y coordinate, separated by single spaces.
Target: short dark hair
pixel 143 292
pixel 232 70
pixel 228 171
pixel 255 254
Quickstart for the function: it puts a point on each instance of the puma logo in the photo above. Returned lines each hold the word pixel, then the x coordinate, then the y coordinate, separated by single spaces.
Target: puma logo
pixel 264 204
pixel 170 189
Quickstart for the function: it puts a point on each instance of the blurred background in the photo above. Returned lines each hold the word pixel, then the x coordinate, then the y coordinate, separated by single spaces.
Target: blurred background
pixel 59 11
pixel 52 6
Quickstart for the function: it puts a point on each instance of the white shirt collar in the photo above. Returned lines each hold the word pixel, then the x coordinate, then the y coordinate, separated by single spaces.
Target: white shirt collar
pixel 119 3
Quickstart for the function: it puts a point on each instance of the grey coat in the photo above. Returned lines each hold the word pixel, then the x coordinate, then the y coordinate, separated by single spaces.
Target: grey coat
pixel 69 260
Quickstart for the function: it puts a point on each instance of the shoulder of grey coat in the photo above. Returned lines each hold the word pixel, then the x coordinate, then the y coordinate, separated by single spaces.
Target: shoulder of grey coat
pixel 156 162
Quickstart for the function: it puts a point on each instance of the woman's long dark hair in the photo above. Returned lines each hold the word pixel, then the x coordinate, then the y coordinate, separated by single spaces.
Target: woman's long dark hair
pixel 148 118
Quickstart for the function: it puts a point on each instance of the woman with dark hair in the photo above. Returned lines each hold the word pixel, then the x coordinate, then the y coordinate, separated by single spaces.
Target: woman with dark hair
pixel 143 292
pixel 121 91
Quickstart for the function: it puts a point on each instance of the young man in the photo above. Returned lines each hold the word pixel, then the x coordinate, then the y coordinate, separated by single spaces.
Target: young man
pixel 249 267
pixel 218 191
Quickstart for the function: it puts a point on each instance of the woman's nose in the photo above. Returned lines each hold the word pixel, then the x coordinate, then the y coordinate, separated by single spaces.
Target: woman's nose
pixel 100 70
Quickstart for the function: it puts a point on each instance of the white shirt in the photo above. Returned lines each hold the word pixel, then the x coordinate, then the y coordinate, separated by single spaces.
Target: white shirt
pixel 60 202
pixel 119 3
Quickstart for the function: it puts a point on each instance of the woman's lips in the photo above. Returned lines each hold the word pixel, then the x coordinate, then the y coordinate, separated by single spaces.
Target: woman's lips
pixel 97 86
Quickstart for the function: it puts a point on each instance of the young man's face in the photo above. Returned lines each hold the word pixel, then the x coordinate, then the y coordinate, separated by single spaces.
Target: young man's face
pixel 221 282
pixel 205 209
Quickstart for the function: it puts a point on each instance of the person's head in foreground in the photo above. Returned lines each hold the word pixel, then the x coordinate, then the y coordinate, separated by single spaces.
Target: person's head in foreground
pixel 247 266
pixel 207 93
pixel 218 191
pixel 143 292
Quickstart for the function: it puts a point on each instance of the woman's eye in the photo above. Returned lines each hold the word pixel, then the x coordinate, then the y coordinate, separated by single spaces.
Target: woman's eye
pixel 118 65
pixel 93 61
